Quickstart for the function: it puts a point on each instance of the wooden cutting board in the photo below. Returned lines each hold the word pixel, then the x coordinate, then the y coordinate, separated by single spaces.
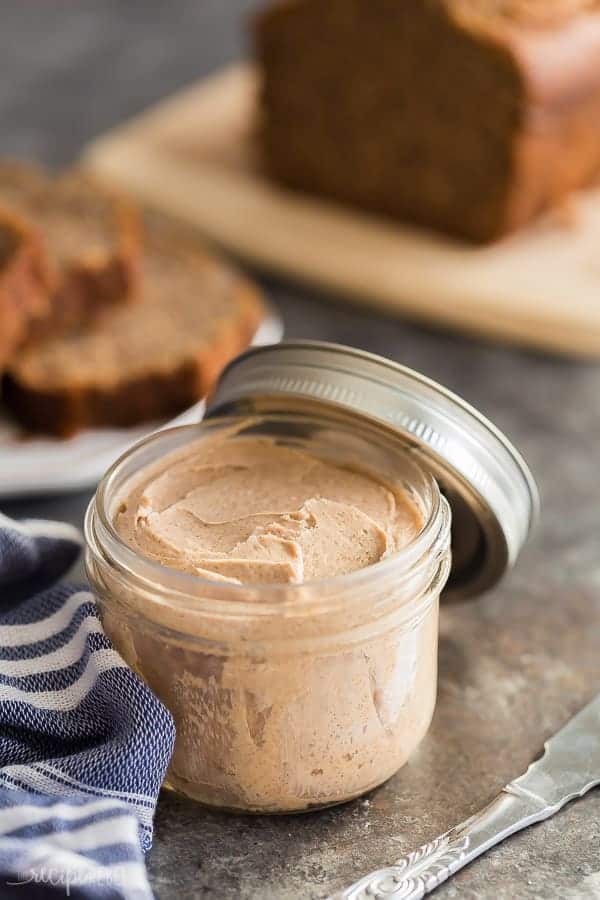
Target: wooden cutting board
pixel 195 156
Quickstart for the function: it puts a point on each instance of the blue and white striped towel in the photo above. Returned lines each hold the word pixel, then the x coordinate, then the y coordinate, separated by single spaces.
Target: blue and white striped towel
pixel 84 744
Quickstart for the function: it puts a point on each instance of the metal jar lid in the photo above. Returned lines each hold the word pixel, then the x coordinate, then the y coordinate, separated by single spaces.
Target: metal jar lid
pixel 493 495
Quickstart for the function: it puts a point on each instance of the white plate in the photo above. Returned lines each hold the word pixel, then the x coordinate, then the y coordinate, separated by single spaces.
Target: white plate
pixel 44 465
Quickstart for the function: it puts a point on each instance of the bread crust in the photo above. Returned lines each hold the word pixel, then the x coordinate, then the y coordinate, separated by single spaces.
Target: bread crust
pixel 24 283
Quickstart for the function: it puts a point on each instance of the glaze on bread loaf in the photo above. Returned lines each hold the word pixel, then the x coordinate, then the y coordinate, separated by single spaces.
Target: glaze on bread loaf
pixel 145 361
pixel 92 237
pixel 469 116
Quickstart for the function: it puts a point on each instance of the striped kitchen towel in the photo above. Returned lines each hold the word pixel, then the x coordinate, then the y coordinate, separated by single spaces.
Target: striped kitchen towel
pixel 84 743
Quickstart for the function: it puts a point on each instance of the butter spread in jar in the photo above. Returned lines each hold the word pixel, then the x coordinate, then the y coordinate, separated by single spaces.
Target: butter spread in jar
pixel 275 575
pixel 250 510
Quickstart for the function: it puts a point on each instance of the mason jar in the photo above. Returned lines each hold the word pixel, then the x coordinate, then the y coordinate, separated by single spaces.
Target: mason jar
pixel 290 697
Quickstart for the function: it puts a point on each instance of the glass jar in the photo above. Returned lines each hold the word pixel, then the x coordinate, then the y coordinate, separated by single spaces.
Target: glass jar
pixel 285 697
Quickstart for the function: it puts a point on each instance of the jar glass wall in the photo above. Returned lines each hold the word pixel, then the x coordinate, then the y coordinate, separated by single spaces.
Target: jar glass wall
pixel 285 697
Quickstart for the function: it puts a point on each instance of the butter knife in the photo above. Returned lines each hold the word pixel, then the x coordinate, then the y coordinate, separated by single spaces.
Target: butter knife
pixel 568 769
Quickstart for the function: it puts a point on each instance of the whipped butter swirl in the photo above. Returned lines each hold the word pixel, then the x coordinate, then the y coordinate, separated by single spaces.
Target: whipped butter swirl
pixel 249 510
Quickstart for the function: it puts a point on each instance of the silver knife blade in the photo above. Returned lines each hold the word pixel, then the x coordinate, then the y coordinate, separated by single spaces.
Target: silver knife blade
pixel 570 765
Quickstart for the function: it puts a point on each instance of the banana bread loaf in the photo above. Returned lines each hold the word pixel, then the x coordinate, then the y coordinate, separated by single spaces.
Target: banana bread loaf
pixel 144 361
pixel 93 241
pixel 470 116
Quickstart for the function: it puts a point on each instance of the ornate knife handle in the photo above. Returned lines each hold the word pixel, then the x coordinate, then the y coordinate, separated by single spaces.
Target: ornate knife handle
pixel 425 869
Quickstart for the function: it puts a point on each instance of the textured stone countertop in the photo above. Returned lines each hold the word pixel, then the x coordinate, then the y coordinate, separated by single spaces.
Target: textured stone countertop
pixel 513 666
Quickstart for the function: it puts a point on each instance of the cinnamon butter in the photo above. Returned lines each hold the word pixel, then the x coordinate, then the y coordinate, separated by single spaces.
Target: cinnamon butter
pixel 274 573
pixel 247 510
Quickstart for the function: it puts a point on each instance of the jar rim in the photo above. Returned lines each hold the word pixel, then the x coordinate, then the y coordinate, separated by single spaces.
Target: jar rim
pixel 103 539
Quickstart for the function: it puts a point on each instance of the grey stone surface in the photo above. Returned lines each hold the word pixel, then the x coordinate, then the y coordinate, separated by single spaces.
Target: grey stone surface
pixel 513 667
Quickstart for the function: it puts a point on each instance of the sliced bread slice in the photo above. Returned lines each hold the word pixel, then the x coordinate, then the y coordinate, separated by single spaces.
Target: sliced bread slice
pixel 24 283
pixel 93 238
pixel 142 362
